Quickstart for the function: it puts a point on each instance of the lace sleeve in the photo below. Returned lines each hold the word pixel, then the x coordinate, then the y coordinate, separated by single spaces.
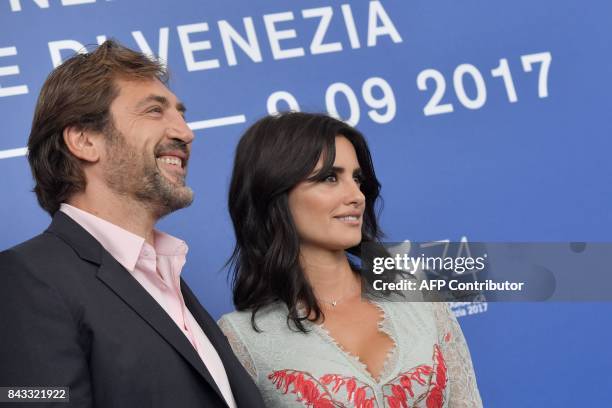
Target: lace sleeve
pixel 462 380
pixel 239 348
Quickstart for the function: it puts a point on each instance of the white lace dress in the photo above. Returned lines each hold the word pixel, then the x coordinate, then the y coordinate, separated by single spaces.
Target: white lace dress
pixel 430 365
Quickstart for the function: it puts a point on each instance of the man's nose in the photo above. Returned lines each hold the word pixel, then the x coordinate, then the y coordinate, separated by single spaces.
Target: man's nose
pixel 180 130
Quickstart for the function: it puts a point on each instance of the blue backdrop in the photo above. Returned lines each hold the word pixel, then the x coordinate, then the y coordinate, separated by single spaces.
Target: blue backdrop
pixel 486 119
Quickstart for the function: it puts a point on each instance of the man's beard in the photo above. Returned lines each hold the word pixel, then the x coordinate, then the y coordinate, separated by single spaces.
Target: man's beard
pixel 138 177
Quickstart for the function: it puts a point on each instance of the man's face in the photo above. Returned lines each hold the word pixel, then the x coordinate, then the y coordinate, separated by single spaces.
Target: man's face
pixel 148 147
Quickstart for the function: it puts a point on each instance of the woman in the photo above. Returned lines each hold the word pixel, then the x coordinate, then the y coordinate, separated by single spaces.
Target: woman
pixel 302 196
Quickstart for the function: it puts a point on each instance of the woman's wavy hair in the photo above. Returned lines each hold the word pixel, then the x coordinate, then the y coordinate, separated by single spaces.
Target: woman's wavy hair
pixel 273 156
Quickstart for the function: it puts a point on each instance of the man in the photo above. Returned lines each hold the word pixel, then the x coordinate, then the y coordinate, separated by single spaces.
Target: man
pixel 96 302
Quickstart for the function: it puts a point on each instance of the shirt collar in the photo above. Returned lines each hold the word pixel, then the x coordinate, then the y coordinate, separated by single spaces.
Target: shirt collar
pixel 124 245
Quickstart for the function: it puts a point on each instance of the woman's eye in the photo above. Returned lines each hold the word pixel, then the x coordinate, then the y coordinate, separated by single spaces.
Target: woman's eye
pixel 358 180
pixel 331 178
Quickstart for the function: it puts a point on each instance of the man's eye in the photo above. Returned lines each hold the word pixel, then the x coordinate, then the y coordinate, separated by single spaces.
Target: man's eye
pixel 155 109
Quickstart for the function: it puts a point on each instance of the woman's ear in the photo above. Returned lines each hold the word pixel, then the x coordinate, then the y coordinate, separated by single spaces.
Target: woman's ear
pixel 83 144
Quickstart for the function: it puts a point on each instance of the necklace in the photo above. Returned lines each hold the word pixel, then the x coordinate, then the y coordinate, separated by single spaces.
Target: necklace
pixel 334 302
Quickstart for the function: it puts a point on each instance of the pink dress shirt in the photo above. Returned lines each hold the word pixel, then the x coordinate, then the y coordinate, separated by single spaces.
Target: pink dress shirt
pixel 158 269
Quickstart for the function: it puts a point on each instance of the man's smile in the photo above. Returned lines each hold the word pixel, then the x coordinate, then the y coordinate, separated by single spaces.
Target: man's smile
pixel 173 164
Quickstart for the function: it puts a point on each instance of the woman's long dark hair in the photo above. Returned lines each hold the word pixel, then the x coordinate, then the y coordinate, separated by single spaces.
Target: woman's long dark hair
pixel 273 156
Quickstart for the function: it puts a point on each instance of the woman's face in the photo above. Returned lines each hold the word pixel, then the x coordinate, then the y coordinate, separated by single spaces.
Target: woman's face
pixel 328 214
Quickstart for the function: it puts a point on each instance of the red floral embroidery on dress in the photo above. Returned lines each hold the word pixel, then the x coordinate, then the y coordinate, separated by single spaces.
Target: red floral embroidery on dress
pixel 307 388
pixel 318 393
pixel 421 384
pixel 420 387
pixel 356 392
pixel 435 398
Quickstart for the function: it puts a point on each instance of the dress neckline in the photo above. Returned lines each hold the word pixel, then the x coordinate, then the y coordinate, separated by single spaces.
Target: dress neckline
pixel 385 325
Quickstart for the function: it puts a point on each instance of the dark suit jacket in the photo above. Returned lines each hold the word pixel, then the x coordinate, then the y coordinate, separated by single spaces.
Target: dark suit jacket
pixel 71 315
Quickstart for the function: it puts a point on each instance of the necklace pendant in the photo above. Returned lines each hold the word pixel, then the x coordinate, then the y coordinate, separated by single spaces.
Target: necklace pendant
pixel 334 303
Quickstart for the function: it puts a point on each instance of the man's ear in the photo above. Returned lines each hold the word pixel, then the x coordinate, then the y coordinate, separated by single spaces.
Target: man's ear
pixel 84 144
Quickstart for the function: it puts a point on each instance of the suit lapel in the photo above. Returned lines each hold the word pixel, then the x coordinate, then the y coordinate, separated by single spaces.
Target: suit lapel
pixel 207 324
pixel 121 282
pixel 243 388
